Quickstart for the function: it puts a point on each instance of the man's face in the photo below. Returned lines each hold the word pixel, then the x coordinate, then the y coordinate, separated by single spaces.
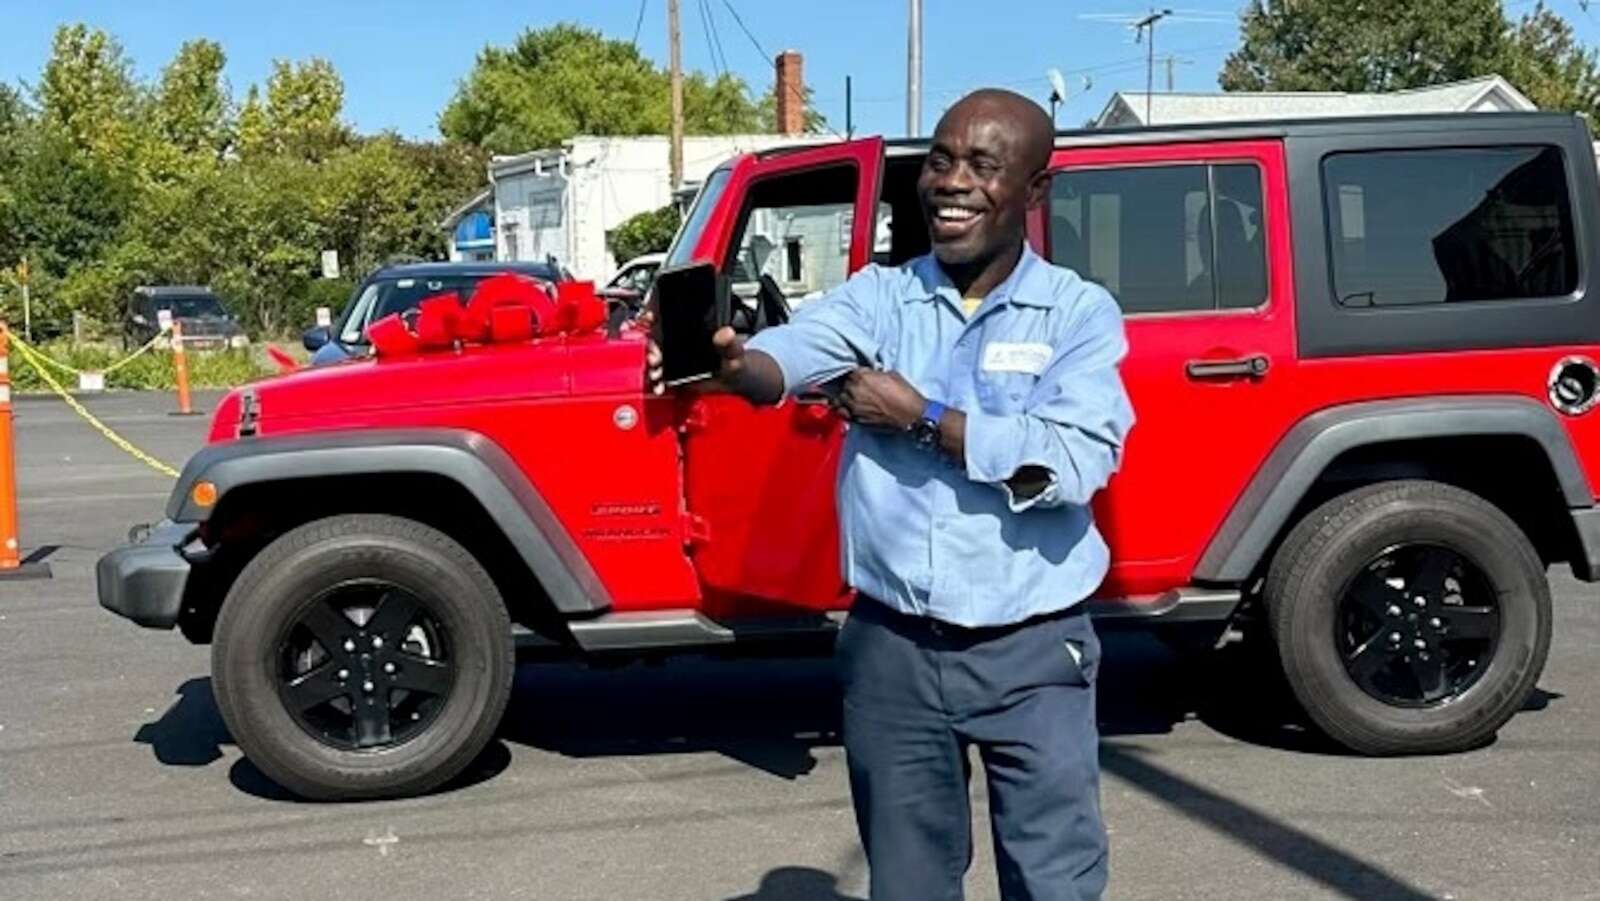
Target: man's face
pixel 974 187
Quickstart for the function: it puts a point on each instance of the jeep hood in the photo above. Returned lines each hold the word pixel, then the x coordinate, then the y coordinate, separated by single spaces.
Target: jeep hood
pixel 309 399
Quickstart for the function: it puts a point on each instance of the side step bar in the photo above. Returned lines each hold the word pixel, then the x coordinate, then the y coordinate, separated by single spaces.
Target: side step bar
pixel 689 628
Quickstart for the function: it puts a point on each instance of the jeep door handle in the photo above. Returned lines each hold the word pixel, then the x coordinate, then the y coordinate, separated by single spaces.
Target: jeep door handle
pixel 1247 368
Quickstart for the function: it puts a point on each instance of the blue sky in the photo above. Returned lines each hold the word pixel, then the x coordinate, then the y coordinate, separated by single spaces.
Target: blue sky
pixel 402 59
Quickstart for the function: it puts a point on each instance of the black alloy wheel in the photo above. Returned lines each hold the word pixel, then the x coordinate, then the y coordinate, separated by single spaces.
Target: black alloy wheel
pixel 365 665
pixel 1417 626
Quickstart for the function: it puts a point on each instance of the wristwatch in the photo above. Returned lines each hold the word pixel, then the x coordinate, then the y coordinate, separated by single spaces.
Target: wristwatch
pixel 926 429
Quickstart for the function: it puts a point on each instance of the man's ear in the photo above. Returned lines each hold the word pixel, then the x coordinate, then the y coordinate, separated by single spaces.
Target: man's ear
pixel 1038 188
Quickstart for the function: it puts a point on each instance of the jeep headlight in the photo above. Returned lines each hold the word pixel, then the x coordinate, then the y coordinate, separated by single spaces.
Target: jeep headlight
pixel 238 341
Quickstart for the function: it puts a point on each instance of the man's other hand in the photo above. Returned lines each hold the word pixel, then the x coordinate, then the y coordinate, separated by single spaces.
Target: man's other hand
pixel 881 399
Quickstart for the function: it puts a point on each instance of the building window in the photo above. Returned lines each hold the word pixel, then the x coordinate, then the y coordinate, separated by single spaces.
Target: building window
pixel 1416 227
pixel 794 271
pixel 1164 239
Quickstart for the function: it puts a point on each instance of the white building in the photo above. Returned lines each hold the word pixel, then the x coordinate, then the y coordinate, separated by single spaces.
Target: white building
pixel 1490 94
pixel 561 202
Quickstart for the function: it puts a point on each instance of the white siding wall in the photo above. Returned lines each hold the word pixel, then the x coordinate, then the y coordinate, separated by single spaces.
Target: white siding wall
pixel 608 180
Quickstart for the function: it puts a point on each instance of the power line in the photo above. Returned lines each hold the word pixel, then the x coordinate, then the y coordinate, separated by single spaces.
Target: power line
pixel 771 60
pixel 711 47
pixel 637 23
pixel 716 36
pixel 742 27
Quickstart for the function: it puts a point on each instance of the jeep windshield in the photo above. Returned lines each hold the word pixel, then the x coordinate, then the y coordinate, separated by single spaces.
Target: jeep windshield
pixel 682 250
pixel 385 296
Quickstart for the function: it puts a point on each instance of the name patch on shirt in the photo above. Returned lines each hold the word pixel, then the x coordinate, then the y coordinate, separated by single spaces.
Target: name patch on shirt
pixel 1002 356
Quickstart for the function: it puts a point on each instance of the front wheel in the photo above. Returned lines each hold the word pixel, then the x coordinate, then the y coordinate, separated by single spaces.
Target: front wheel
pixel 362 656
pixel 1410 617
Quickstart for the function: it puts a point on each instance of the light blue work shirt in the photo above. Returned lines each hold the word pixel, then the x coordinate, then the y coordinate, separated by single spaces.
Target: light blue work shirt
pixel 1035 371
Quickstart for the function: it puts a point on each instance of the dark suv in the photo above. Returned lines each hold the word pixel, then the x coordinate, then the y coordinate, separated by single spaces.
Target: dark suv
pixel 206 322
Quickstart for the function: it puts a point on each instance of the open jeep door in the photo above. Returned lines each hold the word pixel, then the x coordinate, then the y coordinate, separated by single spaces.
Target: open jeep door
pixel 788 226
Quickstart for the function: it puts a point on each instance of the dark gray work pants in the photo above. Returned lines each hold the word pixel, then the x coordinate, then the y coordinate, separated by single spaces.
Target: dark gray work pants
pixel 917 694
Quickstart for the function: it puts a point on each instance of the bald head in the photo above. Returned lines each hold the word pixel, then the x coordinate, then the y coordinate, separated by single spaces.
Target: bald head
pixel 1028 123
pixel 985 168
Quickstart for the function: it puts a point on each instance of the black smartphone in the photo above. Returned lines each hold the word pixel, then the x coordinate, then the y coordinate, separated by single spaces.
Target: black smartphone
pixel 692 303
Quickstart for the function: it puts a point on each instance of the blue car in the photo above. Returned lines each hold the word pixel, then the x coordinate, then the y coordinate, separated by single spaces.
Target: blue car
pixel 395 289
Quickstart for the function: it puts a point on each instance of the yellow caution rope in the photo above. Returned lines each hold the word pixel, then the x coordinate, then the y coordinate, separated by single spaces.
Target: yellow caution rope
pixel 33 357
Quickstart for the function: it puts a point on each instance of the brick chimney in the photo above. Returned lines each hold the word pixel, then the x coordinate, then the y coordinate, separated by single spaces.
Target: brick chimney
pixel 791 94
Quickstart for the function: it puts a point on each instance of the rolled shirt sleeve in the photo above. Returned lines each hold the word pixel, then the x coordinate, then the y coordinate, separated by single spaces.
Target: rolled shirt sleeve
pixel 1074 423
pixel 829 336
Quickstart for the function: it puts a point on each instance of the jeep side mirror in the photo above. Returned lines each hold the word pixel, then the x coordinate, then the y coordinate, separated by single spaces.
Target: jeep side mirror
pixel 314 338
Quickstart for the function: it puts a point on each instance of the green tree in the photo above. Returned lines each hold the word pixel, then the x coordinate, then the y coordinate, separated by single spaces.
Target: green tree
pixel 556 82
pixel 1544 59
pixel 1363 45
pixel 301 114
pixel 87 92
pixel 192 105
pixel 647 232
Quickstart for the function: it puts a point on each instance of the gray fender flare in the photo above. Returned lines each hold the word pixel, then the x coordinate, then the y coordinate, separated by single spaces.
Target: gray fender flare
pixel 467 458
pixel 1316 441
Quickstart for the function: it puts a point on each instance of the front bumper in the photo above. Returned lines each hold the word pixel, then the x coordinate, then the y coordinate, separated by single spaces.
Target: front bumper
pixel 145 581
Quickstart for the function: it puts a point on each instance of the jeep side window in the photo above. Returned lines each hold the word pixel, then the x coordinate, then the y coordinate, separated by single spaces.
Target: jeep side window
pixel 1164 239
pixel 795 229
pixel 1410 227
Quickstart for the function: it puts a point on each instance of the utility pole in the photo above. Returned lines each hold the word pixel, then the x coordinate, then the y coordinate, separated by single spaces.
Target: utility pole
pixel 1172 62
pixel 849 112
pixel 675 63
pixel 1148 23
pixel 914 71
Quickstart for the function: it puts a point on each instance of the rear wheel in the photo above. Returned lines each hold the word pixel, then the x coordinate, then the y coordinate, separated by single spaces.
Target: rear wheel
pixel 1410 617
pixel 362 656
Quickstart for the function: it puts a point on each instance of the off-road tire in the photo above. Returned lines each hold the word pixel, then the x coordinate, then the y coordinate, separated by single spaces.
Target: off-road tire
pixel 1327 548
pixel 276 585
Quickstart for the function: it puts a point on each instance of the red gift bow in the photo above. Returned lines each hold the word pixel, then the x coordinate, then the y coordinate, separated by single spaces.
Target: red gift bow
pixel 505 308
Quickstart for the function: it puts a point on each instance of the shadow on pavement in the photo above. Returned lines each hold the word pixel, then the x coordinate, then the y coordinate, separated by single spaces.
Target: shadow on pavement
pixel 1336 870
pixel 797 884
pixel 771 714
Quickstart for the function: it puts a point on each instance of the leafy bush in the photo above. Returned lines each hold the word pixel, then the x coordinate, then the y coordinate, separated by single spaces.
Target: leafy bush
pixel 152 371
pixel 648 232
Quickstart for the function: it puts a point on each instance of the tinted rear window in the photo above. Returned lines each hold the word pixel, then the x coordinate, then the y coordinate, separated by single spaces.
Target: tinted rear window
pixel 1413 227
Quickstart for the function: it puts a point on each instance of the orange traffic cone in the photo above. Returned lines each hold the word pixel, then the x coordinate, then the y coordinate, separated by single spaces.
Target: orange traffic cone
pixel 12 566
pixel 180 363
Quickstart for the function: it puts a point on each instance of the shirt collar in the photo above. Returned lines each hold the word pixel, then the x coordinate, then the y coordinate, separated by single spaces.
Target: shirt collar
pixel 1021 288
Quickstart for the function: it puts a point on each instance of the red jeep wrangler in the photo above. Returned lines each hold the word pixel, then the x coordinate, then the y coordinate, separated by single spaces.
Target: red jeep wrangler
pixel 1362 361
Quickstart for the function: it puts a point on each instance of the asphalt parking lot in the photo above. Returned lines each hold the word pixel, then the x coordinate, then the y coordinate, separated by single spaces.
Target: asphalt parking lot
pixel 705 779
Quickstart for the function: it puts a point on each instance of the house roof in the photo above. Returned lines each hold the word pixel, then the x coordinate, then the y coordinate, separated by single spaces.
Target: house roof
pixel 456 215
pixel 1490 93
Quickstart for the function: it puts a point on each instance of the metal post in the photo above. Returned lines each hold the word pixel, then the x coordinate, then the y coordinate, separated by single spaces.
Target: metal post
pixel 849 111
pixel 675 64
pixel 914 71
pixel 27 302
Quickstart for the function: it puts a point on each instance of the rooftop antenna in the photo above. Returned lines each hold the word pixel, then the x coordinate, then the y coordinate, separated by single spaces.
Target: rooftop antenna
pixel 1147 23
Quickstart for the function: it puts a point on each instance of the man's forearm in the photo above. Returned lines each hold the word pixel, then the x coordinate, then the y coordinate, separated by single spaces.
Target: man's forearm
pixel 758 380
pixel 1026 482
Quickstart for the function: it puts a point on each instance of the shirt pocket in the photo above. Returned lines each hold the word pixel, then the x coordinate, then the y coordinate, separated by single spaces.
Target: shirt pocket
pixel 1005 393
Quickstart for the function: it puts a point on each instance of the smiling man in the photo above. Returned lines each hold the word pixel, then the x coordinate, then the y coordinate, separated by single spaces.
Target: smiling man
pixel 987 407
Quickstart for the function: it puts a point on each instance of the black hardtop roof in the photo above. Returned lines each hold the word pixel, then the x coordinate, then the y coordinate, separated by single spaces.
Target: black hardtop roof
pixel 1267 128
pixel 544 270
pixel 174 291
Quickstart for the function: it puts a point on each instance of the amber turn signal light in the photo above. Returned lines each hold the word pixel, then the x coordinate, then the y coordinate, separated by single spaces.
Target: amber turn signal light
pixel 204 494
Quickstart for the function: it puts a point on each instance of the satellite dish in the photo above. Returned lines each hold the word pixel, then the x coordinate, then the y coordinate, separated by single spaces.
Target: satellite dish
pixel 1058 85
